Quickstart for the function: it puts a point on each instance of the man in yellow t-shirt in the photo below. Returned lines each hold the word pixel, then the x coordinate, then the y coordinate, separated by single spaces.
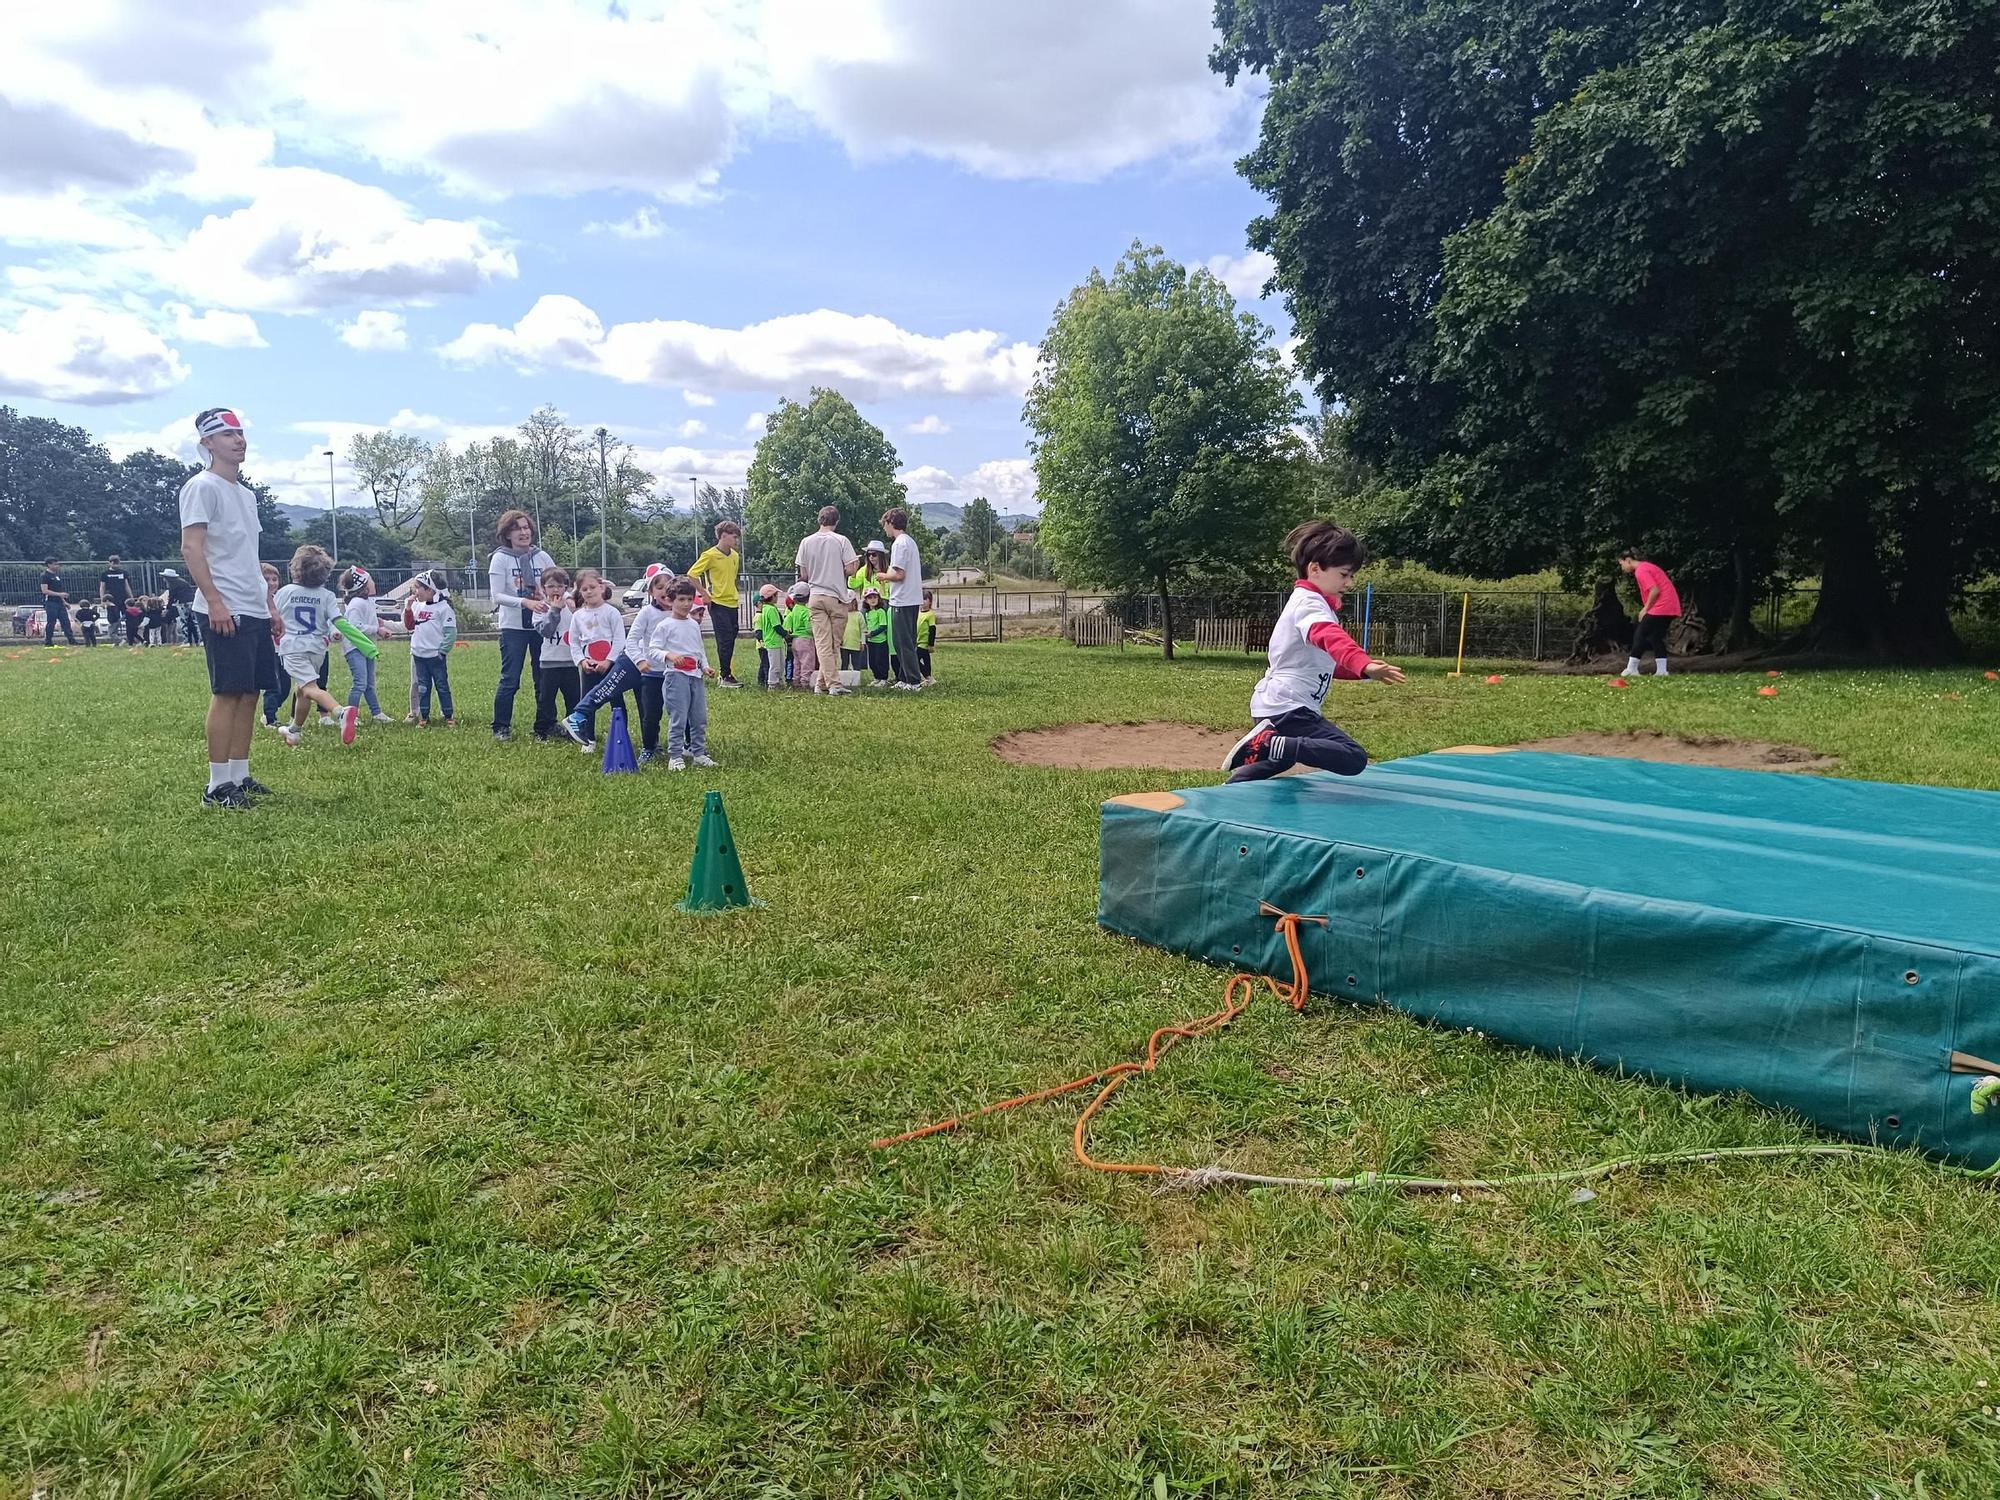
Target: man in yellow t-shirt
pixel 717 568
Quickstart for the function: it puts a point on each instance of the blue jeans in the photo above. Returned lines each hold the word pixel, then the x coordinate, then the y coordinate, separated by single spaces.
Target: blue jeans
pixel 429 672
pixel 52 616
pixel 516 646
pixel 626 678
pixel 363 671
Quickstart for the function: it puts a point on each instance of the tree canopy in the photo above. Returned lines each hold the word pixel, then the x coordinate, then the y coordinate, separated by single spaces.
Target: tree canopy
pixel 815 453
pixel 1712 278
pixel 1161 421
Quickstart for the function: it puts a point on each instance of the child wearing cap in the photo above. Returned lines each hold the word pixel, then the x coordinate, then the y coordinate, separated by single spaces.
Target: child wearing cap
pixel 770 623
pixel 430 645
pixel 358 586
pixel 798 625
pixel 875 629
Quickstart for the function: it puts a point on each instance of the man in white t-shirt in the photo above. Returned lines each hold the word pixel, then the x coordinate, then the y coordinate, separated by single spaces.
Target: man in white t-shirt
pixel 219 531
pixel 826 560
pixel 906 598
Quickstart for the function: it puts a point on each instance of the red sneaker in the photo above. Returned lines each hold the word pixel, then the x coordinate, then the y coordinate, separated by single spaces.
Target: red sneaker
pixel 349 716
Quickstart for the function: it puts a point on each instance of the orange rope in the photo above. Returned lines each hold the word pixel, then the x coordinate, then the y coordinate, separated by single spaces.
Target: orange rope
pixel 1236 998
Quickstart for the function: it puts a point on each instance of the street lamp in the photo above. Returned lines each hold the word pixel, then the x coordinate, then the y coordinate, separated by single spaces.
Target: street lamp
pixel 696 482
pixel 603 504
pixel 332 506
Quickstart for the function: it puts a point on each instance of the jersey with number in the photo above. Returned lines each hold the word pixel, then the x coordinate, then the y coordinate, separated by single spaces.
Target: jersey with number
pixel 308 616
pixel 1308 650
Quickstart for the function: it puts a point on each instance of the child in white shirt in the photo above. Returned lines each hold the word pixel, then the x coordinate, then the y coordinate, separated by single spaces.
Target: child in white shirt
pixel 1308 651
pixel 684 661
pixel 360 612
pixel 431 641
pixel 307 608
pixel 555 670
pixel 633 670
pixel 596 639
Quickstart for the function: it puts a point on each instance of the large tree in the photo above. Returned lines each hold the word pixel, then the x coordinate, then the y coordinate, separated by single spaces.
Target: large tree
pixel 1162 421
pixel 979 528
pixel 814 453
pixel 389 468
pixel 1715 277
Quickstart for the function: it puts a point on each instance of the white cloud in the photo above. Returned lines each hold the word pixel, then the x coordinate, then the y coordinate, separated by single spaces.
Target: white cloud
pixel 309 239
pixel 755 422
pixel 177 439
pixel 70 220
pixel 866 357
pixel 84 353
pixel 226 330
pixel 1245 274
pixel 692 428
pixel 1033 88
pixel 375 331
pixel 1008 483
pixel 671 467
pixel 930 426
pixel 645 224
pixel 696 398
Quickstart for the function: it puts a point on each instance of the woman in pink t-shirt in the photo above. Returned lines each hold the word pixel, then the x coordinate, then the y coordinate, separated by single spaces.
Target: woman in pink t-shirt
pixel 1658 603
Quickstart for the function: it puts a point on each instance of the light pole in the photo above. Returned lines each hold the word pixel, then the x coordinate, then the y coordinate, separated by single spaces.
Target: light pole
pixel 332 506
pixel 603 504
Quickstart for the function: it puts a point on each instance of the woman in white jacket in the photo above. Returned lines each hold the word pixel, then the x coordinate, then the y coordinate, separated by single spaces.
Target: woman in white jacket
pixel 515 579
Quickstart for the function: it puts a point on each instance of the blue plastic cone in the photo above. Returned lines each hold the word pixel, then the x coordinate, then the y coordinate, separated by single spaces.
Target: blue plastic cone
pixel 618 745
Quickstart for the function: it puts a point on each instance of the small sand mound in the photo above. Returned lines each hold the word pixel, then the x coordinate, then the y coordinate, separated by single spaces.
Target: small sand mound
pixel 1698 750
pixel 1158 746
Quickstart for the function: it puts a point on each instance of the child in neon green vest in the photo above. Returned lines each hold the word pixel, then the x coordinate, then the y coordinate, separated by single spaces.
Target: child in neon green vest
pixel 771 647
pixel 926 636
pixel 875 630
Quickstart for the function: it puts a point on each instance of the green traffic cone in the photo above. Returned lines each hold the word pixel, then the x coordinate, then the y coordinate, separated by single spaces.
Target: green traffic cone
pixel 716 882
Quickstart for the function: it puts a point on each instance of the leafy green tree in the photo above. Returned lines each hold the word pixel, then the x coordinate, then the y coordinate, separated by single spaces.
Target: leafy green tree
pixel 815 453
pixel 1162 425
pixel 141 513
pixel 979 526
pixel 51 475
pixel 389 468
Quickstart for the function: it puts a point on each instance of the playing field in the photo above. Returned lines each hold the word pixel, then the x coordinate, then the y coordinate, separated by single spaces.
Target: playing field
pixel 400 1138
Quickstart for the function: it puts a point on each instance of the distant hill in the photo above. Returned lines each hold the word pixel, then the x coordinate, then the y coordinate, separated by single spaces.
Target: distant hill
pixel 298 517
pixel 940 514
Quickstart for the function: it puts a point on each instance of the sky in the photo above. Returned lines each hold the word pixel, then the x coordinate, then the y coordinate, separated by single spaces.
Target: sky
pixel 339 216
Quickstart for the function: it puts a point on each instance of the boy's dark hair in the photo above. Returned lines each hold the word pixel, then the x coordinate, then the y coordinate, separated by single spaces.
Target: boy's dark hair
pixel 829 515
pixel 897 517
pixel 929 597
pixel 50 562
pixel 1631 552
pixel 311 567
pixel 1324 543
pixel 681 588
pixel 556 575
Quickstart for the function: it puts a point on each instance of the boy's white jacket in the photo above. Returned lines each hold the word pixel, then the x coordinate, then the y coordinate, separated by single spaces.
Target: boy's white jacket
pixel 435 625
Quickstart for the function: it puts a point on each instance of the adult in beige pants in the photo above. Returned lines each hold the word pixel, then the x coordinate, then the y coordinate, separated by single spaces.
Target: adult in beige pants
pixel 825 561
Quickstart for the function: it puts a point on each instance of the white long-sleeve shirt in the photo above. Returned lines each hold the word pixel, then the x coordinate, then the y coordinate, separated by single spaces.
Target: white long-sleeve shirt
pixel 600 623
pixel 639 635
pixel 436 626
pixel 1308 651
pixel 676 639
pixel 362 615
pixel 511 590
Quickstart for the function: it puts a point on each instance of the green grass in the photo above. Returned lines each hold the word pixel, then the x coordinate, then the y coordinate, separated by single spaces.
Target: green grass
pixel 400 1138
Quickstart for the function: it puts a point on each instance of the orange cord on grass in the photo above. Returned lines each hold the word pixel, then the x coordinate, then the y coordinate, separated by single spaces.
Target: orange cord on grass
pixel 1236 998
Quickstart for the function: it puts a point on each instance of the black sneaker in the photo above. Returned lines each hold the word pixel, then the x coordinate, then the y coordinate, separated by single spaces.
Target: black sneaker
pixel 252 787
pixel 228 796
pixel 502 736
pixel 1251 748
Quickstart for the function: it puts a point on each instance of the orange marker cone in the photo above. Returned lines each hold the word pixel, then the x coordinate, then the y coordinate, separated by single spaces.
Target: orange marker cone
pixel 1619 682
pixel 1767 692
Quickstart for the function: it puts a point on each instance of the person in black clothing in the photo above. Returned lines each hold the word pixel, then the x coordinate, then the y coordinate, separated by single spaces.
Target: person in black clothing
pixel 179 594
pixel 55 606
pixel 114 588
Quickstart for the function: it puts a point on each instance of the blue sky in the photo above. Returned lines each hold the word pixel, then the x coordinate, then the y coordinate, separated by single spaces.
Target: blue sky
pixel 662 219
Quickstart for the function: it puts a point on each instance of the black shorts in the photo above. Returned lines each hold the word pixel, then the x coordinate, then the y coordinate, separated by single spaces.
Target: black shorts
pixel 243 662
pixel 1651 636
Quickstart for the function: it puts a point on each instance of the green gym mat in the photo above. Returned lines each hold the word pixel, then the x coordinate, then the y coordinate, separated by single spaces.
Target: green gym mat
pixel 1829 946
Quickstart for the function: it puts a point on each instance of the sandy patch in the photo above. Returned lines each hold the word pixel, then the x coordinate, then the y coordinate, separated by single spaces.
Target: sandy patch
pixel 1698 750
pixel 1158 746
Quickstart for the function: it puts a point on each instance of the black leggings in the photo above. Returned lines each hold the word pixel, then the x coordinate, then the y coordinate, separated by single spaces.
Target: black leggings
pixel 1651 636
pixel 552 682
pixel 726 623
pixel 878 660
pixel 1304 738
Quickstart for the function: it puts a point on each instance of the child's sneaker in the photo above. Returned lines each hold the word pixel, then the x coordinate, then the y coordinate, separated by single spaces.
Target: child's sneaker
pixel 290 735
pixel 451 723
pixel 675 763
pixel 229 797
pixel 573 727
pixel 645 757
pixel 250 786
pixel 328 721
pixel 413 719
pixel 270 723
pixel 349 717
pixel 383 719
pixel 705 761
pixel 1250 749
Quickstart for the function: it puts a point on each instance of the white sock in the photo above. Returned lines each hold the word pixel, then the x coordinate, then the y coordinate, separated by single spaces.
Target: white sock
pixel 218 774
pixel 238 769
pixel 1660 667
pixel 1632 667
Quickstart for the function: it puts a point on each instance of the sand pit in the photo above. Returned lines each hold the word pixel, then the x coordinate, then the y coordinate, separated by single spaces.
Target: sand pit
pixel 1697 750
pixel 1158 746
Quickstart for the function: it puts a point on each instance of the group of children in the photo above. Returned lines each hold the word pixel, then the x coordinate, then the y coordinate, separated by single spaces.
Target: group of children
pixel 787 657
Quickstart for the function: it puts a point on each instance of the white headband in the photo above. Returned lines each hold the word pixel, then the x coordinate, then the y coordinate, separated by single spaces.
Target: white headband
pixel 217 421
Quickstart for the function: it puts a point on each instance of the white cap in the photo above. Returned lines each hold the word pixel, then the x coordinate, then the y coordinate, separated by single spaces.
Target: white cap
pixel 877 547
pixel 168 573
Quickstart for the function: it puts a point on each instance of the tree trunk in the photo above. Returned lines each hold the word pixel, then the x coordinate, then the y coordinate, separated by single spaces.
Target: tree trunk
pixel 1740 632
pixel 1166 621
pixel 1851 618
pixel 1920 627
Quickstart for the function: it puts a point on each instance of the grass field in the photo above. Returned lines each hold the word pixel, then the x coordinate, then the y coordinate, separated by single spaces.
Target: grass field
pixel 399 1138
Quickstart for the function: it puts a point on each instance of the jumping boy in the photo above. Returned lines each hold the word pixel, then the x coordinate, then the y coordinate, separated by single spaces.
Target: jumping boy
pixel 1308 651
